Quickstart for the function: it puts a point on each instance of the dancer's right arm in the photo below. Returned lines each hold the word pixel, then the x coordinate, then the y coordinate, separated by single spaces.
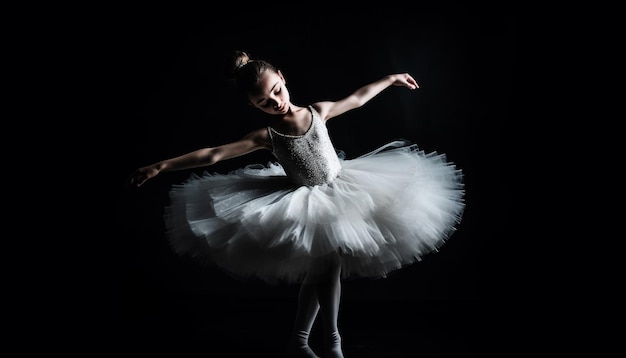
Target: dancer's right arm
pixel 255 140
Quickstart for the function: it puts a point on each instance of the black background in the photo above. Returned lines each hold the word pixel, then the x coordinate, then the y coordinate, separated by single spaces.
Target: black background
pixel 168 96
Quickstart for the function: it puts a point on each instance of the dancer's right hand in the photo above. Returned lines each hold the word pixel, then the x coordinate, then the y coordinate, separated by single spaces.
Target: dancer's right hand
pixel 141 175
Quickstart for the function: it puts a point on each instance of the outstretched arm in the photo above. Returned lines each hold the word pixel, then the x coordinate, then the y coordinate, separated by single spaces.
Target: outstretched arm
pixel 203 157
pixel 329 109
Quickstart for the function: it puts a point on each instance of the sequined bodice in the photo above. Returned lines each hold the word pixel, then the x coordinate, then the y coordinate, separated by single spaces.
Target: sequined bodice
pixel 309 159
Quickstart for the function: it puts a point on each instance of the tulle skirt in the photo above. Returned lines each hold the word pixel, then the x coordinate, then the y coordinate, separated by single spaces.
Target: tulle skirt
pixel 385 210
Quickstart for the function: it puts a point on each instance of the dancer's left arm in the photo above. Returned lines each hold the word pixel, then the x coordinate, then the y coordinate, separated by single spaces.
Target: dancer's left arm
pixel 330 109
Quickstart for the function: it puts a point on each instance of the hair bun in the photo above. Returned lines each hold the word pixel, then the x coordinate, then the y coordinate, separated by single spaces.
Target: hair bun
pixel 237 60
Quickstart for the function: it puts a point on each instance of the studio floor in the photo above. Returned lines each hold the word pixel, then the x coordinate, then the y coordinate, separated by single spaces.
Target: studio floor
pixel 245 327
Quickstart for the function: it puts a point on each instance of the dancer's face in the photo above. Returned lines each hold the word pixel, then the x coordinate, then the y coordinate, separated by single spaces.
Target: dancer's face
pixel 272 96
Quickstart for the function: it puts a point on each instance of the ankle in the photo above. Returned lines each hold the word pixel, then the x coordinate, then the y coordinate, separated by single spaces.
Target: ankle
pixel 301 338
pixel 333 345
pixel 299 347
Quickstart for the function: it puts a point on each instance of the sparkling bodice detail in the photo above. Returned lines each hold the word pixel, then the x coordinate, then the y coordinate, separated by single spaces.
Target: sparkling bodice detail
pixel 309 159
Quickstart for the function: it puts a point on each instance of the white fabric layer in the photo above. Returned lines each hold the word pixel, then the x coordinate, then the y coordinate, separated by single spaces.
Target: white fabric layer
pixel 384 210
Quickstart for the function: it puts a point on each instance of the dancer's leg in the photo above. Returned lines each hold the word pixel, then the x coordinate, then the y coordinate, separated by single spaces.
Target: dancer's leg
pixel 308 307
pixel 320 291
pixel 328 277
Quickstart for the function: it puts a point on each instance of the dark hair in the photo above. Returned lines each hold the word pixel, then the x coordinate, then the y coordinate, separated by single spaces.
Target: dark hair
pixel 247 71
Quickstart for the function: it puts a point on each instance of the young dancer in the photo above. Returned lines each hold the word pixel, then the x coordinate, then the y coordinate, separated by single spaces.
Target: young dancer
pixel 311 217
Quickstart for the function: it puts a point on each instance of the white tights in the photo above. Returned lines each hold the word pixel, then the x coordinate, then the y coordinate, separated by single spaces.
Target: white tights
pixel 320 292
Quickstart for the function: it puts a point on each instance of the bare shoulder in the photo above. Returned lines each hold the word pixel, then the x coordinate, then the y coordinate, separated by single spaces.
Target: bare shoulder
pixel 332 109
pixel 258 138
pixel 323 108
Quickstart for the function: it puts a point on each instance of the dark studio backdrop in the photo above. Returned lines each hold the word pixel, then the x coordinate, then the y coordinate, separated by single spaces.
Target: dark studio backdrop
pixel 173 98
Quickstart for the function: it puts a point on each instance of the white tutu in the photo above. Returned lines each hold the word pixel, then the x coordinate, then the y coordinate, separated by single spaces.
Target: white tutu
pixel 385 210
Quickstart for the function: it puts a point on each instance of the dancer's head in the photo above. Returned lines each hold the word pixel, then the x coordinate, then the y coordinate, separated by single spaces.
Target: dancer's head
pixel 260 82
